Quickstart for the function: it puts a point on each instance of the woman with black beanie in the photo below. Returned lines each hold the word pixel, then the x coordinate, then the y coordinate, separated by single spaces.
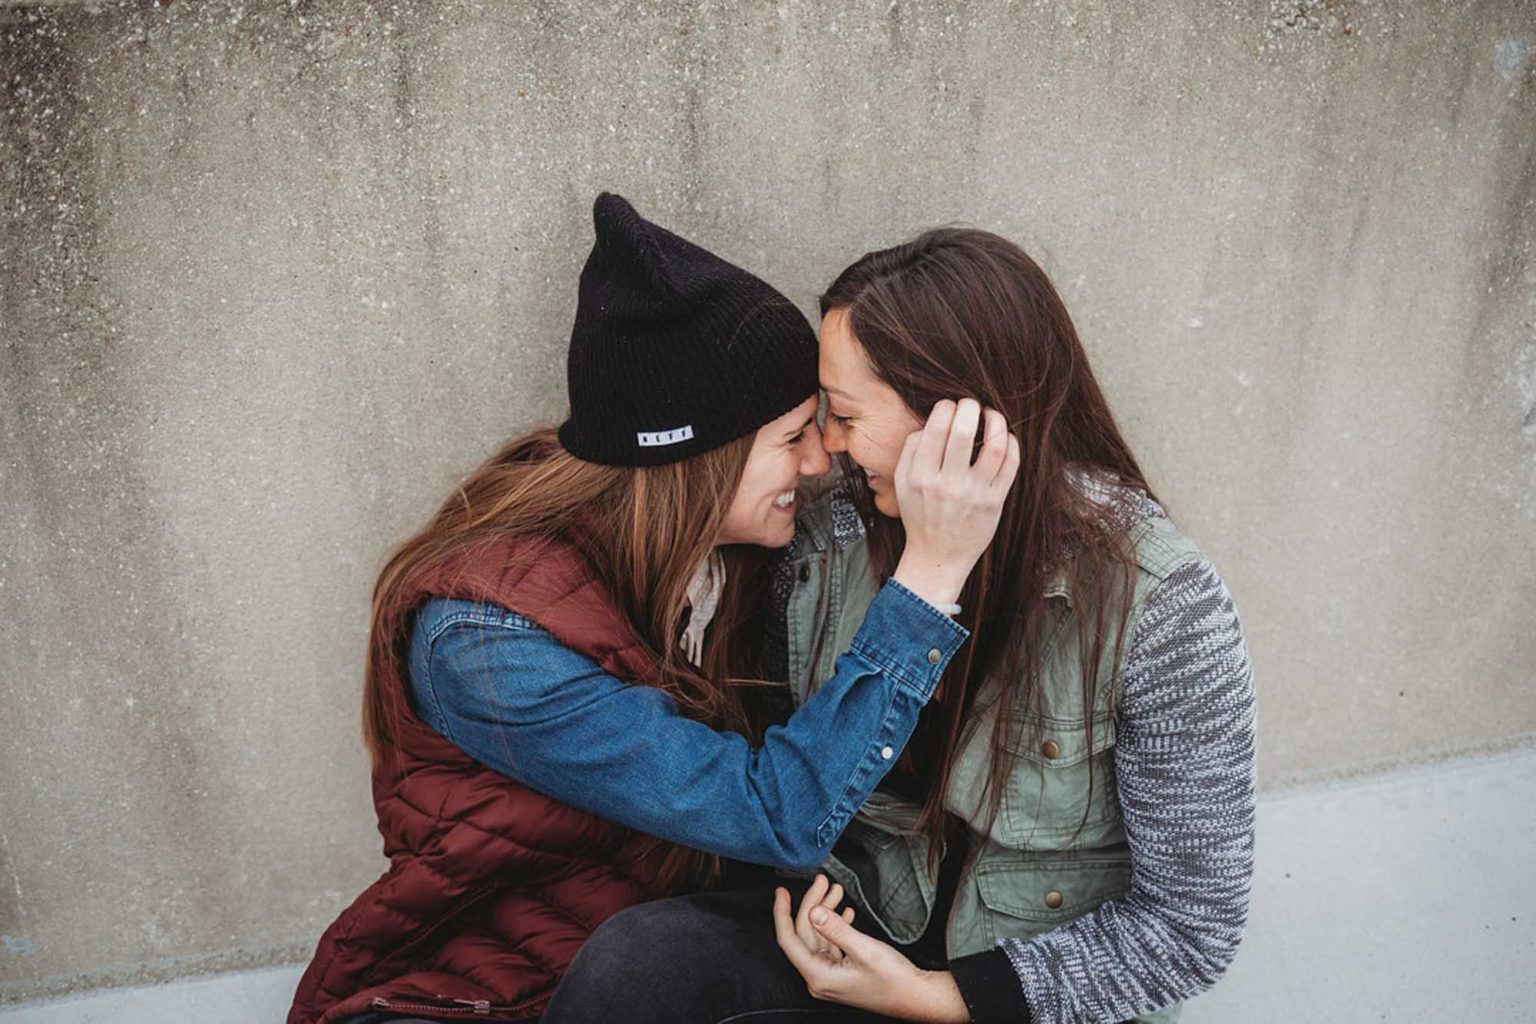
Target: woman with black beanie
pixel 564 661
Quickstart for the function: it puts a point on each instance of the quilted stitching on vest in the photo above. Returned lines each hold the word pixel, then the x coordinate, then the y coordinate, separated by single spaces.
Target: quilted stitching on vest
pixel 492 887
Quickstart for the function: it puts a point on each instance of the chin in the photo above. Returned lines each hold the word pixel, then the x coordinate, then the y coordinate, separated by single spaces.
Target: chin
pixel 775 537
pixel 885 504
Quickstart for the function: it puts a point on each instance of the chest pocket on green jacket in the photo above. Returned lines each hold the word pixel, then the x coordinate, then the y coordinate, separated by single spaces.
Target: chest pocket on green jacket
pixel 1048 803
pixel 1053 756
pixel 1026 898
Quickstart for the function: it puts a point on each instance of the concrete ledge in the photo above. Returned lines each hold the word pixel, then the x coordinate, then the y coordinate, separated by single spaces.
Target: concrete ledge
pixel 255 996
pixel 1408 897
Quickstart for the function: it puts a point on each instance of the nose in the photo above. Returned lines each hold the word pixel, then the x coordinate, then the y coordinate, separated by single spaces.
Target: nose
pixel 814 460
pixel 832 438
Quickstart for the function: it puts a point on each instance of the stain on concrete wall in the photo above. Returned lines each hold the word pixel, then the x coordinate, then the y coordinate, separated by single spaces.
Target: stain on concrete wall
pixel 272 275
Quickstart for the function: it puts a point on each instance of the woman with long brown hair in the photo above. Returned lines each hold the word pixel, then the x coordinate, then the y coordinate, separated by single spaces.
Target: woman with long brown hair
pixel 1068 837
pixel 558 691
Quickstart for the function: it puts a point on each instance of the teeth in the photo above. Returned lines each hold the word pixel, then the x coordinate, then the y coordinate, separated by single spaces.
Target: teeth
pixel 784 500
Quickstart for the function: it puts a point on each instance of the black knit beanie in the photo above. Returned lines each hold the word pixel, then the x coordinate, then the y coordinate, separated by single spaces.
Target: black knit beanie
pixel 675 351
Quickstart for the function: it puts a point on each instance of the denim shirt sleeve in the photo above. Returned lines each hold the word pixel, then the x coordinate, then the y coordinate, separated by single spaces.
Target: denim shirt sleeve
pixel 511 696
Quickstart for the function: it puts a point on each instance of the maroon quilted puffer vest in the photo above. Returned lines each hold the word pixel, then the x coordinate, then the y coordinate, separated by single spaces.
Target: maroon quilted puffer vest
pixel 491 887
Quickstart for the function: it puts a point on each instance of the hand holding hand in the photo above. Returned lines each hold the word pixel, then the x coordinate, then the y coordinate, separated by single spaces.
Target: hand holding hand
pixel 825 895
pixel 858 970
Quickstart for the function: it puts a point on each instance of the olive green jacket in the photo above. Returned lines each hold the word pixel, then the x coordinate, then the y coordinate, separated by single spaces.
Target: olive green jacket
pixel 1053 852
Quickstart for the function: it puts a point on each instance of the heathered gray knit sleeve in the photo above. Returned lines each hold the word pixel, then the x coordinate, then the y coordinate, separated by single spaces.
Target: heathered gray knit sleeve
pixel 1184 760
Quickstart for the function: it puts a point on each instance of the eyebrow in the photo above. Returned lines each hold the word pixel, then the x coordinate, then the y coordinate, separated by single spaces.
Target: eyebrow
pixel 839 393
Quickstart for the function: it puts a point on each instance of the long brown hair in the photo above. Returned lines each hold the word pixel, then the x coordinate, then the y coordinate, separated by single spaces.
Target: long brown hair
pixel 646 531
pixel 958 313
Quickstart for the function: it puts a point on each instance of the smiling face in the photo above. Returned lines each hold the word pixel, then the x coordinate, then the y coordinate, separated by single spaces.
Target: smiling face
pixel 865 416
pixel 763 510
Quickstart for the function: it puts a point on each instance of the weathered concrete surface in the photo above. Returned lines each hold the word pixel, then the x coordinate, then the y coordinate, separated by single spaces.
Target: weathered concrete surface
pixel 273 275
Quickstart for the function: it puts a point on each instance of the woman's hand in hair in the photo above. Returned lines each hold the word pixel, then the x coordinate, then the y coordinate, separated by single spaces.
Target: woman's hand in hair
pixel 843 965
pixel 950 506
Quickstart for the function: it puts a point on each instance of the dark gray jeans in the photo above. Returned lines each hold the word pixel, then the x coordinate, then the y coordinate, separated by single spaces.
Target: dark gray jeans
pixel 709 958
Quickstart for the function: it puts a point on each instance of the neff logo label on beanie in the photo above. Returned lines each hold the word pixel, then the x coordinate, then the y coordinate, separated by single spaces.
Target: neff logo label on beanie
pixel 662 438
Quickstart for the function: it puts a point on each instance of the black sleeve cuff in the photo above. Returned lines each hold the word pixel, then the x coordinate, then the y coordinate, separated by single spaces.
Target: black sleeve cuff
pixel 990 988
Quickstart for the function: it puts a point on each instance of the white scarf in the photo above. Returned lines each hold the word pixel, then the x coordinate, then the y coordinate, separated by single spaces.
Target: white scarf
pixel 704 595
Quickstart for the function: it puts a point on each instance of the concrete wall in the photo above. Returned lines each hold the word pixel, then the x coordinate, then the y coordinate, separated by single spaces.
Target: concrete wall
pixel 273 275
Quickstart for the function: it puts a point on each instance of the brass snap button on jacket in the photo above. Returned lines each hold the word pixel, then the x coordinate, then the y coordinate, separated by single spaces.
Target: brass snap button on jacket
pixel 805 573
pixel 1053 900
pixel 1050 748
pixel 934 656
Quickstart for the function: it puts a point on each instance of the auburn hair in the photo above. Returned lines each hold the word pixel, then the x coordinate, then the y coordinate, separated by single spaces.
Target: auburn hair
pixel 647 530
pixel 959 312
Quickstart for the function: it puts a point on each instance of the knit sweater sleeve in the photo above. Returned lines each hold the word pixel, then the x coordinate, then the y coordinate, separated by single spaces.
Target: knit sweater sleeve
pixel 1184 760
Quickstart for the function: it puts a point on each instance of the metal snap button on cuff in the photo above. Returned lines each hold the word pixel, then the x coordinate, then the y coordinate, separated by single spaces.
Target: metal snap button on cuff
pixel 1053 900
pixel 935 656
pixel 1050 748
pixel 887 753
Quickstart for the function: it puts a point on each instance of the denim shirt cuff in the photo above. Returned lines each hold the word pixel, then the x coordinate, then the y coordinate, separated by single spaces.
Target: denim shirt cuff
pixel 909 638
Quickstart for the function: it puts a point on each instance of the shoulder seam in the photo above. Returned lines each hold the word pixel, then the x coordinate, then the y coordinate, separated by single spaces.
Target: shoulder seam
pixel 490 615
